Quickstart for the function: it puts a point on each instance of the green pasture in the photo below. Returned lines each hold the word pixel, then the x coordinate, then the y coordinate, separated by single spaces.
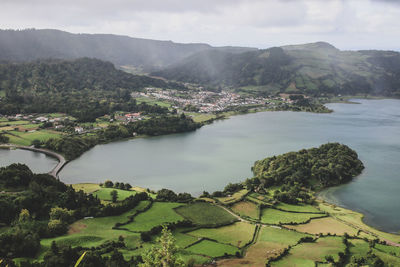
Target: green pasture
pixel 273 216
pixel 159 213
pixel 306 253
pixel 279 236
pixel 212 249
pixel 246 208
pixel 297 208
pixel 202 213
pixel 105 194
pixel 237 234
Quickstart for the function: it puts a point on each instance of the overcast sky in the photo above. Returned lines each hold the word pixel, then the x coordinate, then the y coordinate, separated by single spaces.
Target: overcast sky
pixel 347 24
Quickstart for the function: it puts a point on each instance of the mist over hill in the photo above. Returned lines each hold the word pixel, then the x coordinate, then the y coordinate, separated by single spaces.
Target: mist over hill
pixel 31 44
pixel 315 69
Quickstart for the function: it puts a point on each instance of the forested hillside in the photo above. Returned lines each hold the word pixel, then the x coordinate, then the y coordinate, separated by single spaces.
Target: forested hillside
pixel 314 69
pixel 31 44
pixel 84 88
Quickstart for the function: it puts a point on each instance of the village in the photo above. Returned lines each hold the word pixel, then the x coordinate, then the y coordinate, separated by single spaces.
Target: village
pixel 208 101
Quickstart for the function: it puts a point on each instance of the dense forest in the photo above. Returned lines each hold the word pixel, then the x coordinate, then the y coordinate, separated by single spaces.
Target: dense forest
pixel 73 146
pixel 315 69
pixel 316 168
pixel 84 88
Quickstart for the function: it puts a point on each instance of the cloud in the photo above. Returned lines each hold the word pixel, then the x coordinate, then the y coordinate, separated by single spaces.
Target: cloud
pixel 348 24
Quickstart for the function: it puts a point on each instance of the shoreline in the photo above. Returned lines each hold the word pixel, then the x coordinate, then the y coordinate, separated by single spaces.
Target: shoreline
pixel 363 224
pixel 53 172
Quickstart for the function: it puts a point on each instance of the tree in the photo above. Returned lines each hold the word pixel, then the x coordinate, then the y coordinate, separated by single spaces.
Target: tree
pixel 114 195
pixel 4 139
pixel 36 143
pixel 163 255
pixel 24 215
pixel 108 183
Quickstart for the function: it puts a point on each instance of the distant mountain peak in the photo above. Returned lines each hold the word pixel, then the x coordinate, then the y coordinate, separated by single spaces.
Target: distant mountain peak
pixel 311 46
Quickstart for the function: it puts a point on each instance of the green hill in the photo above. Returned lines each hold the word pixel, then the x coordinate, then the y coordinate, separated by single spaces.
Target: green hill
pixel 84 88
pixel 314 69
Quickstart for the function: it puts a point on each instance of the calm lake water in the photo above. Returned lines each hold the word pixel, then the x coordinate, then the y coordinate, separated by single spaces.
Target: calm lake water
pixel 38 162
pixel 224 152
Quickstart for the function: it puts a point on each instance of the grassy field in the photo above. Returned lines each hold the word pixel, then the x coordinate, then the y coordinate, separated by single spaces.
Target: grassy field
pixel 202 213
pixel 308 253
pixel 183 240
pixel 212 249
pixel 159 213
pixel 234 198
pixel 246 208
pixel 389 260
pixel 324 226
pixel 279 236
pixel 237 234
pixel 86 187
pixel 201 117
pixel 105 194
pixel 19 122
pixel 358 247
pixel 297 208
pixel 152 101
pixel 388 249
pixel 26 138
pixel 273 216
pixel 355 219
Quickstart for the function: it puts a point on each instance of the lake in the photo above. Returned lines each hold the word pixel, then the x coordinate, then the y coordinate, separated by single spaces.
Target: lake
pixel 224 152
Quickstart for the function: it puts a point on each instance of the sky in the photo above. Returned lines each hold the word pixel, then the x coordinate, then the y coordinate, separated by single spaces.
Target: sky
pixel 347 24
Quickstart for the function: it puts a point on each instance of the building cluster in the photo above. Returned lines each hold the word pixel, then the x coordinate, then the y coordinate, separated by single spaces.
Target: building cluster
pixel 203 101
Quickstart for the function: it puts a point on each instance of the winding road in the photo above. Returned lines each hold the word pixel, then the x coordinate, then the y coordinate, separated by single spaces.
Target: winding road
pixel 61 160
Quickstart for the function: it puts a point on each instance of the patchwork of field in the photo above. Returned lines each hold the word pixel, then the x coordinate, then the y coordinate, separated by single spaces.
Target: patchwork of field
pixel 326 225
pixel 307 253
pixel 212 249
pixel 246 208
pixel 105 194
pixel 202 213
pixel 238 234
pixel 274 216
pixel 159 213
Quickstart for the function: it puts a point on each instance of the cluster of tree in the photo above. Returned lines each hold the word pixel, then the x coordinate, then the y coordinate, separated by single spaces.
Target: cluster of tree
pixel 329 165
pixel 118 185
pixel 164 125
pixel 44 207
pixel 3 138
pixel 370 259
pixel 166 195
pixel 74 146
pixel 228 190
pixel 84 88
